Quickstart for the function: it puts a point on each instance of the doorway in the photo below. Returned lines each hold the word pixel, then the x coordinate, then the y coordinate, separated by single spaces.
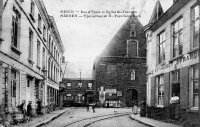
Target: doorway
pixel 131 95
pixel 176 89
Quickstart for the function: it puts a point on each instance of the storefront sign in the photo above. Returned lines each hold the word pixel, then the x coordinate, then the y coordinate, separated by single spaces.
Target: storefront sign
pixel 119 93
pixel 182 61
pixel 111 91
pixel 102 96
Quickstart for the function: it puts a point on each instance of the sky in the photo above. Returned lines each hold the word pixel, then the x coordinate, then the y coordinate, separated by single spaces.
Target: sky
pixel 85 38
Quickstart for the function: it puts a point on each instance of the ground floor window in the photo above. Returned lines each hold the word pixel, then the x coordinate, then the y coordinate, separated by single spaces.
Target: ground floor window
pixel 14 86
pixel 194 84
pixel 79 98
pixel 69 97
pixel 160 90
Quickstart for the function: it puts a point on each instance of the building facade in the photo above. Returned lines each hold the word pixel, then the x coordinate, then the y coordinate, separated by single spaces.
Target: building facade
pixel 173 55
pixel 119 71
pixel 30 55
pixel 76 92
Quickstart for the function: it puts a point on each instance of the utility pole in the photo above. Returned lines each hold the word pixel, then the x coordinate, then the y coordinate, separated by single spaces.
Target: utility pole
pixel 81 86
pixel 198 1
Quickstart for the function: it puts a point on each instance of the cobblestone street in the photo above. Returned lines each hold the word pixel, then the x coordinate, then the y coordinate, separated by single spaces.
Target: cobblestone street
pixel 78 114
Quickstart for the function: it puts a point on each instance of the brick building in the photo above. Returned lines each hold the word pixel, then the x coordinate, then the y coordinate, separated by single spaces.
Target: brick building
pixel 30 48
pixel 75 92
pixel 173 55
pixel 119 71
pixel 78 86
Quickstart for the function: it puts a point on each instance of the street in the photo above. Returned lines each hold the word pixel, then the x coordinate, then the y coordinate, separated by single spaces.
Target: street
pixel 103 117
pixel 122 121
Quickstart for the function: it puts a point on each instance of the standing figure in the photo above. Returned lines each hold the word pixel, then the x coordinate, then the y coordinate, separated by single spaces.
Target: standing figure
pixel 21 107
pixel 174 107
pixel 39 107
pixel 29 109
pixel 143 108
pixel 93 107
pixel 87 105
pixel 135 107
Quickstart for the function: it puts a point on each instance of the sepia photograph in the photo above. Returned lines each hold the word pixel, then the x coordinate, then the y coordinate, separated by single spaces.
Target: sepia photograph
pixel 99 63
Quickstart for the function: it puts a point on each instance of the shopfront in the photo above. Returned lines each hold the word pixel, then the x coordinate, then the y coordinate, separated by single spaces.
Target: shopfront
pixel 180 78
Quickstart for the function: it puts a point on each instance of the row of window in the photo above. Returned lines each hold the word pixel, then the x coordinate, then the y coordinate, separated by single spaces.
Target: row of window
pixel 177 35
pixel 78 98
pixel 69 85
pixel 112 72
pixel 53 50
pixel 15 39
pixel 53 72
pixel 175 82
pixel 51 46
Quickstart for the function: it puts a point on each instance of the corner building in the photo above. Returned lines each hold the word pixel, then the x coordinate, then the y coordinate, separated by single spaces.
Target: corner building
pixel 173 55
pixel 30 55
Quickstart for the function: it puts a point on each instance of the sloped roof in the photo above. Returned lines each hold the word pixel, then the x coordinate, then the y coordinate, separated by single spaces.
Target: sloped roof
pixel 169 13
pixel 157 12
pixel 118 44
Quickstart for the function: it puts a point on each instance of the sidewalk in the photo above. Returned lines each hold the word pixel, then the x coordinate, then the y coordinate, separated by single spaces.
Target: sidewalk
pixel 152 122
pixel 43 119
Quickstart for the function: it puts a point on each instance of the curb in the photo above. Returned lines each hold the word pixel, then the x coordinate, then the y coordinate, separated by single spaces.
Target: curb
pixel 53 118
pixel 142 122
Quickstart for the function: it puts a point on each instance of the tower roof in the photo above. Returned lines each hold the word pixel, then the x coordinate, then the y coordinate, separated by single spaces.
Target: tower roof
pixel 157 12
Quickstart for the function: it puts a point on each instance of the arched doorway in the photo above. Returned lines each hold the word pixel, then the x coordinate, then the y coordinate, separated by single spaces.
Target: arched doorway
pixel 131 94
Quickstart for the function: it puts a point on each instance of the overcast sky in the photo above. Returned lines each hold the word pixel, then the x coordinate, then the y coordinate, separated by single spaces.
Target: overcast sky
pixel 84 38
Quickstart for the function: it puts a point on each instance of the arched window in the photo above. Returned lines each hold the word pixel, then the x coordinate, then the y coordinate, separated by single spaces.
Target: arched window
pixel 54 73
pixel 54 54
pixel 52 47
pixel 43 57
pixel 49 68
pixel 49 42
pixel 52 70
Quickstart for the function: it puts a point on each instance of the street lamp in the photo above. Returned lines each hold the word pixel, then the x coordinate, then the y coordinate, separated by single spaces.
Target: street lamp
pixel 80 74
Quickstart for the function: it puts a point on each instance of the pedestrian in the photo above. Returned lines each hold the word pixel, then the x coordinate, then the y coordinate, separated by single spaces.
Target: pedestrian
pixel 21 107
pixel 29 109
pixel 39 107
pixel 93 106
pixel 87 105
pixel 174 107
pixel 135 107
pixel 143 108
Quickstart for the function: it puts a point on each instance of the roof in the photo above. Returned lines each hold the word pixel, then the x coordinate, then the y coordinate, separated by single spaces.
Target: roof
pixel 157 12
pixel 57 34
pixel 118 44
pixel 169 13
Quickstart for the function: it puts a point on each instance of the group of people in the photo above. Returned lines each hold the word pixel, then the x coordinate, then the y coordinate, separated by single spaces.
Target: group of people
pixel 174 107
pixel 28 111
pixel 93 106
